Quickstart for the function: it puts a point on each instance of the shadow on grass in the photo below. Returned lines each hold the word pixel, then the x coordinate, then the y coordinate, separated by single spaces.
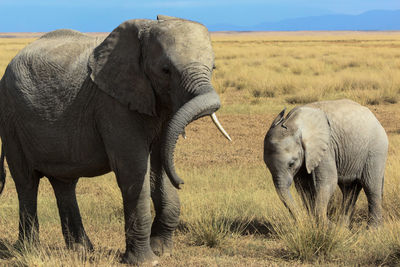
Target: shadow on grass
pixel 5 249
pixel 254 227
pixel 244 227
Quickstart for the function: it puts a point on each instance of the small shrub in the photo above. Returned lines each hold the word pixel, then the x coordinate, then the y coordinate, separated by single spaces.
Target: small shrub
pixel 373 101
pixel 390 99
pixel 257 93
pixel 302 98
pixel 239 85
pixel 352 64
pixel 297 70
pixel 377 97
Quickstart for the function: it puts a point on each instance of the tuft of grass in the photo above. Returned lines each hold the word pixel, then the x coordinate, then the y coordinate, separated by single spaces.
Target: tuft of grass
pixel 212 229
pixel 379 246
pixel 28 254
pixel 309 241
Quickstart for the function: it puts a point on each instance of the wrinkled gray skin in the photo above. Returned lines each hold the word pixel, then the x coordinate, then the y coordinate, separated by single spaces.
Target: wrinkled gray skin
pixel 323 144
pixel 75 106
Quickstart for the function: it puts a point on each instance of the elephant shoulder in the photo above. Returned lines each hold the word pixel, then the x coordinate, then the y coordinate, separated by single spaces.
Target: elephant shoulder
pixel 341 107
pixel 64 33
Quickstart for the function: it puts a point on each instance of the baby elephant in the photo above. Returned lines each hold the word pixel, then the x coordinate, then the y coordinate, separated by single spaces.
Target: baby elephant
pixel 322 144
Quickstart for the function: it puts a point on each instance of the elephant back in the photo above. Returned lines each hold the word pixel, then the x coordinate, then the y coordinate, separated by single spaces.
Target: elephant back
pixel 46 76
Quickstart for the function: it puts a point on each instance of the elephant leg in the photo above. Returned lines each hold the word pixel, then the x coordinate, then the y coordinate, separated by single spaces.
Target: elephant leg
pixel 71 222
pixel 325 183
pixel 167 207
pixel 372 182
pixel 350 194
pixel 134 183
pixel 374 207
pixel 27 184
pixel 28 220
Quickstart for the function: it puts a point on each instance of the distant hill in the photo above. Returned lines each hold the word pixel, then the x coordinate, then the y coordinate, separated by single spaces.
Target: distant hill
pixel 374 20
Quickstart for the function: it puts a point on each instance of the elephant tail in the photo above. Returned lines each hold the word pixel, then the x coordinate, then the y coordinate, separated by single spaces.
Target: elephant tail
pixel 2 171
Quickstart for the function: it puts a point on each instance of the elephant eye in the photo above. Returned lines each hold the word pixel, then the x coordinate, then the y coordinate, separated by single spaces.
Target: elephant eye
pixel 165 69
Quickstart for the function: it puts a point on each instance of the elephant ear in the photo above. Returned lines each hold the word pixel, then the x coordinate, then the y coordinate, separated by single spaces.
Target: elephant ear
pixel 116 69
pixel 315 135
pixel 278 118
pixel 164 17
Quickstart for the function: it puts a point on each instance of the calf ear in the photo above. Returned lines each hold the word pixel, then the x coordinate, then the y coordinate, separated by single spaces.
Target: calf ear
pixel 315 135
pixel 164 17
pixel 116 68
pixel 278 118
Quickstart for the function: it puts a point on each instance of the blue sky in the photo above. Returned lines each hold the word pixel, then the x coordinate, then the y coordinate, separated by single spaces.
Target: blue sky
pixel 104 15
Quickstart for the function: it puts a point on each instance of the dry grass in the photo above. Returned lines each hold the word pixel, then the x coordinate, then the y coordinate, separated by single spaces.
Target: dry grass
pixel 231 215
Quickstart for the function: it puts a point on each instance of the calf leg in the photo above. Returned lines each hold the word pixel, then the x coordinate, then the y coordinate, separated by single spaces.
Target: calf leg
pixel 325 183
pixel 372 182
pixel 350 194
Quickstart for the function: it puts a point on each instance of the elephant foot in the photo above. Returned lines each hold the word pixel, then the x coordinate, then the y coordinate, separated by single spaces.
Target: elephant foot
pixel 21 245
pixel 79 247
pixel 161 246
pixel 83 245
pixel 374 224
pixel 131 257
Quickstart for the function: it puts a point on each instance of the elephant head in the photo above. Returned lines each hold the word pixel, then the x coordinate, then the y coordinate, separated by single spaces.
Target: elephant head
pixel 159 68
pixel 298 141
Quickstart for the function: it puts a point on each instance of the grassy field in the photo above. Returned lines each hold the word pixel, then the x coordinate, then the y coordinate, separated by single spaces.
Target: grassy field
pixel 231 215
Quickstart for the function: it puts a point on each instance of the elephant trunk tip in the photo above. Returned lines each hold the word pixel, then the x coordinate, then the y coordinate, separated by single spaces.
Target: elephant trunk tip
pixel 177 183
pixel 2 171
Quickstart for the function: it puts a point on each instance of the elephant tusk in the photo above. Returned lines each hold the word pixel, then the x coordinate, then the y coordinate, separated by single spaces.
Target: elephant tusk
pixel 183 134
pixel 219 126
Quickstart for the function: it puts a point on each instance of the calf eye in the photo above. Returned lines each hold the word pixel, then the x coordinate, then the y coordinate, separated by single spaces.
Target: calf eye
pixel 291 163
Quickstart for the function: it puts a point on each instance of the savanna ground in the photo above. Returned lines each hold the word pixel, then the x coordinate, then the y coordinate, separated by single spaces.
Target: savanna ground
pixel 231 215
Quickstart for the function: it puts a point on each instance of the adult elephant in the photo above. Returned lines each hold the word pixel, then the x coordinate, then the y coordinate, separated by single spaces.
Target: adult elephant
pixel 72 105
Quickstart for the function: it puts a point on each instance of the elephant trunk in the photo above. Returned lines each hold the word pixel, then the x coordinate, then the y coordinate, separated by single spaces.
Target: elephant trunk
pixel 284 194
pixel 206 102
pixel 2 170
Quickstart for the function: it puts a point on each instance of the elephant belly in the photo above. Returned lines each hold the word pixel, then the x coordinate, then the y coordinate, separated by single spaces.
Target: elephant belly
pixel 64 152
pixel 347 179
pixel 85 159
pixel 72 170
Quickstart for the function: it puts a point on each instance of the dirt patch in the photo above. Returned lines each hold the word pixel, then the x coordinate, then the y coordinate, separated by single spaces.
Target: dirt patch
pixel 205 145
